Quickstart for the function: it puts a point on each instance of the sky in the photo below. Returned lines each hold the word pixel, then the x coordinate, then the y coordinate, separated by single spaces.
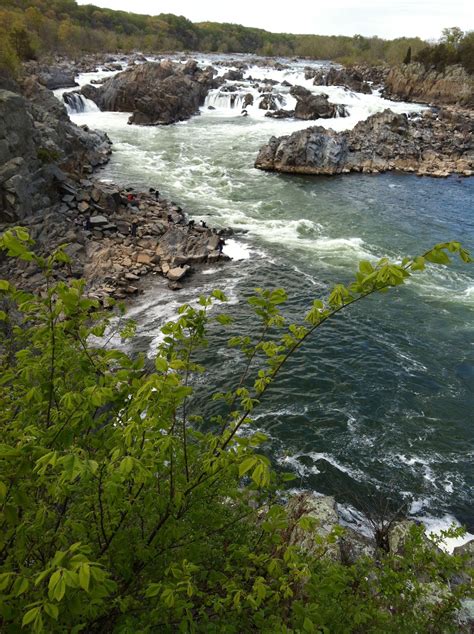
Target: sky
pixel 386 18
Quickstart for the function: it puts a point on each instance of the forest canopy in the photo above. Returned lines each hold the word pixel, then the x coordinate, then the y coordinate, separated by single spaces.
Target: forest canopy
pixel 34 28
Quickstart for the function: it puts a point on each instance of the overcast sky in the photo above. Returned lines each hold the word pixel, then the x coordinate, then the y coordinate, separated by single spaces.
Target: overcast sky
pixel 386 18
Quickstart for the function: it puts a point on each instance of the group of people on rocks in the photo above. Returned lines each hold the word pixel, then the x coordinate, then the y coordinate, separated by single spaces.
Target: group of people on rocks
pixel 132 203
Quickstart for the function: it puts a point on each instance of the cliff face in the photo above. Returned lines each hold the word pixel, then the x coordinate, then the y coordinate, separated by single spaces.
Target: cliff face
pixel 412 82
pixel 38 144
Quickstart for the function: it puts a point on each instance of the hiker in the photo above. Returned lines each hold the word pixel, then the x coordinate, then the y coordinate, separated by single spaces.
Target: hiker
pixel 203 224
pixel 220 245
pixel 88 224
pixel 133 229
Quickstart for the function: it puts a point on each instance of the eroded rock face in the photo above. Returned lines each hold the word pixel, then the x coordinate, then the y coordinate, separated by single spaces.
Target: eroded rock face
pixel 38 144
pixel 156 93
pixel 412 82
pixel 427 145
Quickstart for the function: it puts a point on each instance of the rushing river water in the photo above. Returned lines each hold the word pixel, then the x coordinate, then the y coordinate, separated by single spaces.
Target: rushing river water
pixel 381 399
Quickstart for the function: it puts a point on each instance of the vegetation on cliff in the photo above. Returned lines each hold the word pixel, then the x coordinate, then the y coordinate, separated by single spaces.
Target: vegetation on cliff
pixel 32 28
pixel 127 508
pixel 455 47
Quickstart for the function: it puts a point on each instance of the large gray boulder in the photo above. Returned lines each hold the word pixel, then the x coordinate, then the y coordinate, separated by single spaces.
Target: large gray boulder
pixel 310 106
pixel 156 93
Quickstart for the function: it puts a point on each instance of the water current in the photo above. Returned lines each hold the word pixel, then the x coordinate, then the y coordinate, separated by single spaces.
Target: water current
pixel 383 398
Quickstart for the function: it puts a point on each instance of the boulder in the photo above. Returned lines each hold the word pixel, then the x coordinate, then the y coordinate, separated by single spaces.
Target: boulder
pixel 156 93
pixel 323 510
pixel 97 221
pixel 310 106
pixel 177 273
pixel 54 77
pixel 269 102
pixel 233 75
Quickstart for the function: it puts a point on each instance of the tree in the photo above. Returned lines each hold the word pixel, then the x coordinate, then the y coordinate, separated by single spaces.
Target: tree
pixel 452 36
pixel 125 509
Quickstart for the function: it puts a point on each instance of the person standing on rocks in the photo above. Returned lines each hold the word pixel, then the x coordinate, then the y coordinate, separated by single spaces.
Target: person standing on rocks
pixel 133 229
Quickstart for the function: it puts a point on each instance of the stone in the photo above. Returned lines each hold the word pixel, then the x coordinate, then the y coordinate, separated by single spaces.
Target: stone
pixel 143 258
pixel 98 220
pixel 414 82
pixel 323 510
pixel 385 141
pixel 177 273
pixel 83 207
pixel 131 277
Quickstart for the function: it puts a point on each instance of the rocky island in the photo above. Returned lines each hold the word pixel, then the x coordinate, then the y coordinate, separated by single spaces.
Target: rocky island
pixel 433 144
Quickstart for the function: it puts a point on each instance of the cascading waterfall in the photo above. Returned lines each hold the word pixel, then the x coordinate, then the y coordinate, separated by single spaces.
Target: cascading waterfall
pixel 228 100
pixel 77 103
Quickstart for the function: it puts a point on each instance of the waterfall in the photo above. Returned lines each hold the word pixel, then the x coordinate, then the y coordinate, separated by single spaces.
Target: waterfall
pixel 225 100
pixel 76 103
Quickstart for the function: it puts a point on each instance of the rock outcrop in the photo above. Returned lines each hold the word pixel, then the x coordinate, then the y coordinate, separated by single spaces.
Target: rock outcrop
pixel 156 93
pixel 413 82
pixel 115 238
pixel 309 106
pixel 350 78
pixel 38 145
pixel 428 145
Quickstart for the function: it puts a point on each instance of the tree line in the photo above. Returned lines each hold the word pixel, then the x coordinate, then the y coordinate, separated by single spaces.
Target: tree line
pixel 32 29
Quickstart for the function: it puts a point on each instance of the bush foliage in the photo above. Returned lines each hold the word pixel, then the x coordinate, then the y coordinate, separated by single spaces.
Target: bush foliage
pixel 125 510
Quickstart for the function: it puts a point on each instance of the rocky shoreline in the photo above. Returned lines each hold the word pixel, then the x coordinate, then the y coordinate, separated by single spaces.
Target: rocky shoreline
pixel 114 236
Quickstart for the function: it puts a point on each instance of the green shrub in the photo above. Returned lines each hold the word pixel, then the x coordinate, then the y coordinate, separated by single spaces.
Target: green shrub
pixel 125 510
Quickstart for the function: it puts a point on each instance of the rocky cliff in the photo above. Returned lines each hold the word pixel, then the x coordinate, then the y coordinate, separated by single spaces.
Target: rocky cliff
pixel 39 145
pixel 156 93
pixel 431 144
pixel 412 82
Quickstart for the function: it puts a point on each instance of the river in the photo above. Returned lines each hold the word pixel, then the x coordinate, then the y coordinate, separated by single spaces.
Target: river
pixel 381 401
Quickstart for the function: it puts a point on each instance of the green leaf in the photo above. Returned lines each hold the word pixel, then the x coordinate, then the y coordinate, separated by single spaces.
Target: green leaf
pixel 59 589
pixel 53 582
pixel 84 577
pixel 126 465
pixel 20 586
pixel 161 364
pixel 52 610
pixel 4 285
pixel 30 616
pixel 246 465
pixel 308 626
